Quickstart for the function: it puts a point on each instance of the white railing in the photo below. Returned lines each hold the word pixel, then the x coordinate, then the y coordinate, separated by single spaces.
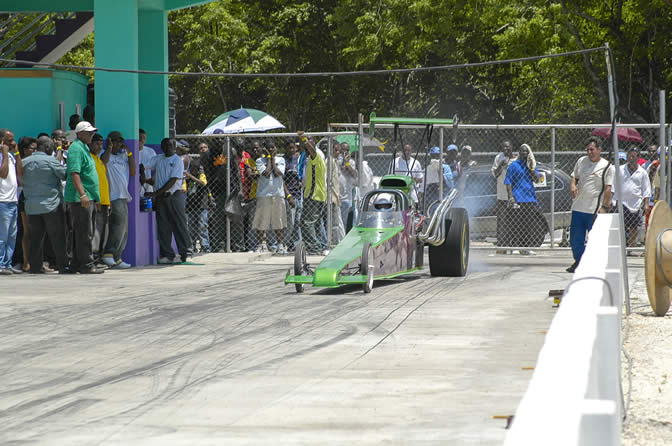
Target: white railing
pixel 574 397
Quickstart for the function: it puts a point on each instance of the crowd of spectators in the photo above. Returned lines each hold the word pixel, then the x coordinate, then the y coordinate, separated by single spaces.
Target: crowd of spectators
pixel 64 198
pixel 282 194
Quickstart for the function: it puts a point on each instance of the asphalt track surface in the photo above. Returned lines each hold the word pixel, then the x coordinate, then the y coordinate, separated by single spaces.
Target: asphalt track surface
pixel 225 354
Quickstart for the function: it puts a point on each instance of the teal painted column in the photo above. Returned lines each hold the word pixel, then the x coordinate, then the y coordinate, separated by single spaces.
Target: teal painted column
pixel 117 100
pixel 153 55
pixel 116 46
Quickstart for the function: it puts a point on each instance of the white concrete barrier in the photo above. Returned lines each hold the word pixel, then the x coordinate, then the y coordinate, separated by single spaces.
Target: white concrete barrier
pixel 574 397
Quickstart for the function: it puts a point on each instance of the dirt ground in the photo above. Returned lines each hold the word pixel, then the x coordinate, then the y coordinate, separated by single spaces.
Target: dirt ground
pixel 647 341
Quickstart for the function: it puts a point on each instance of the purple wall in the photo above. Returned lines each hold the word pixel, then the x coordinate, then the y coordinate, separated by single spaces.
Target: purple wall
pixel 143 246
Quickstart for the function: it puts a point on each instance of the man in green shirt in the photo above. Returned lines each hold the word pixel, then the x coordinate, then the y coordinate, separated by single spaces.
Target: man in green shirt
pixel 81 195
pixel 314 197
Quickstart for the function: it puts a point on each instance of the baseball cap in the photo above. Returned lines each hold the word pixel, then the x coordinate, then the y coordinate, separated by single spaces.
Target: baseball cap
pixel 84 126
pixel 633 149
pixel 434 150
pixel 622 156
pixel 467 148
pixel 452 147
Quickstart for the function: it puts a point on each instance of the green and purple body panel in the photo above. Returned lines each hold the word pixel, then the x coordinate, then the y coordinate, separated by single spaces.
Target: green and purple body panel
pixel 394 251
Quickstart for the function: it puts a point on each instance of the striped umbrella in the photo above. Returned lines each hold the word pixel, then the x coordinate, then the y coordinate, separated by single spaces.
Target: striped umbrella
pixel 243 120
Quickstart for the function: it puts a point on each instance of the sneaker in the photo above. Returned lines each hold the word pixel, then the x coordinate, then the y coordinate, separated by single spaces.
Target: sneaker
pixel 572 268
pixel 91 270
pixel 259 250
pixel 15 270
pixel 6 272
pixel 281 249
pixel 165 261
pixel 515 251
pixel 108 260
pixel 325 252
pixel 122 265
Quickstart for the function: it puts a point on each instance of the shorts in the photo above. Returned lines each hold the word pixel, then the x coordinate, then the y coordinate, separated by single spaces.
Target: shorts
pixel 631 219
pixel 270 214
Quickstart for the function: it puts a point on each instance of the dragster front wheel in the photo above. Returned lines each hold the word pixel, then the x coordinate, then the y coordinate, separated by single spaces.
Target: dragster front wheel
pixel 367 267
pixel 299 264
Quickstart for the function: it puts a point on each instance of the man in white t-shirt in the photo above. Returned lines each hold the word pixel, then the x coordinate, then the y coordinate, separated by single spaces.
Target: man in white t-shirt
pixel 271 212
pixel 10 169
pixel 171 217
pixel 347 180
pixel 120 167
pixel 636 193
pixel 407 165
pixel 499 168
pixel 590 187
pixel 146 154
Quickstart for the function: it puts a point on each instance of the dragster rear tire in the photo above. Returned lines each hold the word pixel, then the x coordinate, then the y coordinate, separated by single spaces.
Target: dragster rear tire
pixel 451 258
pixel 367 267
pixel 299 264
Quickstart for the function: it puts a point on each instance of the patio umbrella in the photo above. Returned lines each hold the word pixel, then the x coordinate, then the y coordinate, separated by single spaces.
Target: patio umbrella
pixel 353 142
pixel 623 133
pixel 243 120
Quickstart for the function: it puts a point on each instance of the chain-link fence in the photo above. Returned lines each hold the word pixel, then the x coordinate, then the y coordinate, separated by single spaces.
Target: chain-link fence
pixel 264 193
pixel 261 192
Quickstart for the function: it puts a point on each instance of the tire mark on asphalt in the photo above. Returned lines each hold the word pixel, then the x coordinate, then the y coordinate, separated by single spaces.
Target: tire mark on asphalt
pixel 345 306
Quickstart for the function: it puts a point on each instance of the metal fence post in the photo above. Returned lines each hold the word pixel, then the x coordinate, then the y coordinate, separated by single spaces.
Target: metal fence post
pixel 360 160
pixel 618 180
pixel 228 192
pixel 552 229
pixel 663 148
pixel 441 180
pixel 329 190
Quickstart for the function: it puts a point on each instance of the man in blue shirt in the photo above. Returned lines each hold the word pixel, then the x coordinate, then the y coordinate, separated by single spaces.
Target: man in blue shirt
pixel 42 177
pixel 523 208
pixel 171 218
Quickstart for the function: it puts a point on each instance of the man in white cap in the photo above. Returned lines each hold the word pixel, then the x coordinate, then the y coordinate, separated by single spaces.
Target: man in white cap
pixel 81 195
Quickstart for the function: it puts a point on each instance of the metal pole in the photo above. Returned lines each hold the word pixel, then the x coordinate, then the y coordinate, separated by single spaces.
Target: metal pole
pixel 663 147
pixel 552 229
pixel 329 186
pixel 360 161
pixel 440 164
pixel 228 192
pixel 618 181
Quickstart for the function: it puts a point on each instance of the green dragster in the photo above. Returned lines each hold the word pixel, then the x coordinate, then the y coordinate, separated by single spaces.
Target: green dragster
pixel 388 241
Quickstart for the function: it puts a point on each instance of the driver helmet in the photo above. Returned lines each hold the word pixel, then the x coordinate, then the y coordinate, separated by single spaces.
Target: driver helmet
pixel 383 203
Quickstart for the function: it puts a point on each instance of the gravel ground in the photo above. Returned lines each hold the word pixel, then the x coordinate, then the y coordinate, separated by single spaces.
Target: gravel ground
pixel 647 341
